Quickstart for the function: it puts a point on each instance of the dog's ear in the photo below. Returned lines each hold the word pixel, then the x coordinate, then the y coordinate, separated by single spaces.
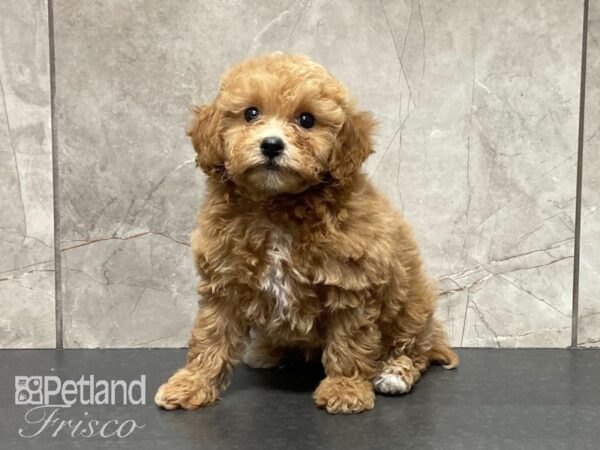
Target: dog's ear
pixel 205 132
pixel 353 146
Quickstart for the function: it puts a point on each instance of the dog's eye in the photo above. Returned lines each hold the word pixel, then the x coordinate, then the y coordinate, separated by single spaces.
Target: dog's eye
pixel 251 114
pixel 306 120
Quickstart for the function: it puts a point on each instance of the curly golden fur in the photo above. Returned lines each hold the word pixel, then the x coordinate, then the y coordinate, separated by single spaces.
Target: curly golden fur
pixel 299 251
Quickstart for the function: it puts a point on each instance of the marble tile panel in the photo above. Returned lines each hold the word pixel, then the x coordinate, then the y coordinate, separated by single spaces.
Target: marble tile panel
pixel 26 203
pixel 589 300
pixel 477 103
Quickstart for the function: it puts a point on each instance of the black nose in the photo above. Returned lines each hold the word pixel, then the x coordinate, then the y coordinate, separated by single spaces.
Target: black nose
pixel 272 146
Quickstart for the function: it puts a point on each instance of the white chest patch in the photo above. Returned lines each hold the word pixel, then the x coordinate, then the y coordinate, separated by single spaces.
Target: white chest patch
pixel 276 279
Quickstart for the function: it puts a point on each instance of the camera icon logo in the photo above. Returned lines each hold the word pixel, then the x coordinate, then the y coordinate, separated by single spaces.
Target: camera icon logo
pixel 28 390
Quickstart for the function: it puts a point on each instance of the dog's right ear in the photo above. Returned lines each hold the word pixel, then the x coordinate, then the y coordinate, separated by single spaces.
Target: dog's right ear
pixel 205 132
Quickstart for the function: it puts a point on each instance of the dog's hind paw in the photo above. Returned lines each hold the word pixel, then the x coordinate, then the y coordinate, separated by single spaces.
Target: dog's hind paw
pixel 260 360
pixel 390 384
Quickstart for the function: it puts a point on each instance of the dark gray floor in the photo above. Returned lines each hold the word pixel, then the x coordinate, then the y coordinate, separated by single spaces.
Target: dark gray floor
pixel 496 399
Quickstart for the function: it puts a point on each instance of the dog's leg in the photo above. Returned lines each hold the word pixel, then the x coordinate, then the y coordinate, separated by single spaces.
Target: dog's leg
pixel 215 348
pixel 261 353
pixel 350 355
pixel 410 355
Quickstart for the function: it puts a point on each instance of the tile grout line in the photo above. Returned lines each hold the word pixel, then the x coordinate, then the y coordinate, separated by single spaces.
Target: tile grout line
pixel 580 142
pixel 58 306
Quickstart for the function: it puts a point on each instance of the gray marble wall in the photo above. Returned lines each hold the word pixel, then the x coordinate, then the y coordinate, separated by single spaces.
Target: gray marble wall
pixel 589 303
pixel 26 217
pixel 478 104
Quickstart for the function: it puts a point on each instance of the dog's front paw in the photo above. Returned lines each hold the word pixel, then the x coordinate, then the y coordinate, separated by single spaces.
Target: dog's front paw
pixel 345 395
pixel 186 389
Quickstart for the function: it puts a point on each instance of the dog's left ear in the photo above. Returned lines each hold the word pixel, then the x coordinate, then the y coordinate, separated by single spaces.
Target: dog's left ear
pixel 353 146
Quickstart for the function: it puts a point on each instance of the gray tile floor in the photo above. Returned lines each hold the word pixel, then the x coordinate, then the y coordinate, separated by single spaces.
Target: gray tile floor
pixel 497 399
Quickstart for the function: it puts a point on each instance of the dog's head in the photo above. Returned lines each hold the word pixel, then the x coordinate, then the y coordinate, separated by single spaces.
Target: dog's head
pixel 280 124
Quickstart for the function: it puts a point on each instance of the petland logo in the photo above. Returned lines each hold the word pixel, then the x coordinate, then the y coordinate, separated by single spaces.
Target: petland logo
pixel 49 395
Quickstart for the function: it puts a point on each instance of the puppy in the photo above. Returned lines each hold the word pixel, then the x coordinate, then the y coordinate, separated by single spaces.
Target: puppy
pixel 296 249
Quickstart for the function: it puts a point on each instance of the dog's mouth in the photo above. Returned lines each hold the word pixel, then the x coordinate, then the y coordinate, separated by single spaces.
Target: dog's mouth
pixel 272 166
pixel 269 168
pixel 273 177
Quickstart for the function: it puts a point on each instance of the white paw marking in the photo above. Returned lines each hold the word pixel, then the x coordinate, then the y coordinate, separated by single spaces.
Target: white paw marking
pixel 388 383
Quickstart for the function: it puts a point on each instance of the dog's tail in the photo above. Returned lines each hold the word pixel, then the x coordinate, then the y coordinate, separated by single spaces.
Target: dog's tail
pixel 441 352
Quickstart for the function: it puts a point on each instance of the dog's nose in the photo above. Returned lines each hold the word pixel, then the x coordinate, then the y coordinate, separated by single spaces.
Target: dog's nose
pixel 272 146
